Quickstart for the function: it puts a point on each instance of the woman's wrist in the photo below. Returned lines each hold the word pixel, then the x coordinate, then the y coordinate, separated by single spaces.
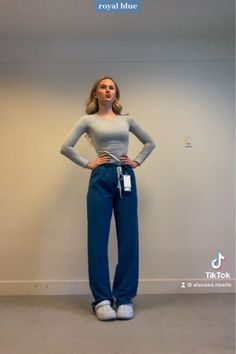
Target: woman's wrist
pixel 136 163
pixel 90 166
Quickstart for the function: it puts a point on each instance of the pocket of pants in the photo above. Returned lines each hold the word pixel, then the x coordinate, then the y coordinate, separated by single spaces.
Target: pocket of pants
pixel 95 175
pixel 94 170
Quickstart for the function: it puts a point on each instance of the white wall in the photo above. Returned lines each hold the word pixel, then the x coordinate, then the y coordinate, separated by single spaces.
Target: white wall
pixel 173 87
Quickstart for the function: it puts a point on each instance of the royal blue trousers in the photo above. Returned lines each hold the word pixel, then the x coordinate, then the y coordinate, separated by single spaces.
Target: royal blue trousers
pixel 103 198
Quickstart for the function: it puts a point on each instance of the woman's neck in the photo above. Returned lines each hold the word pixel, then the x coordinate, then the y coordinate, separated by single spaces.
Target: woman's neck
pixel 106 112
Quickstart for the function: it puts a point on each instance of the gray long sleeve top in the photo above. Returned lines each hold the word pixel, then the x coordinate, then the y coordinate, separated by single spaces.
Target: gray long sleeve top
pixel 110 135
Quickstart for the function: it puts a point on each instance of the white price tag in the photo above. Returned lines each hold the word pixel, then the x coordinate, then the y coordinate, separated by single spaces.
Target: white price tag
pixel 127 183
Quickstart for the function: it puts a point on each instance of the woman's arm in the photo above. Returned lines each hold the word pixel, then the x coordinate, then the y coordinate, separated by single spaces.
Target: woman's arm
pixel 143 136
pixel 71 139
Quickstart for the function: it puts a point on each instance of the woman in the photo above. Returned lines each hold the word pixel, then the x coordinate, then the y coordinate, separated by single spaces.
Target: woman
pixel 112 186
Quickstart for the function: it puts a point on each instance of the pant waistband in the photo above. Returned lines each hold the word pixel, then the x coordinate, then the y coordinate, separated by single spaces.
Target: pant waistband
pixel 111 164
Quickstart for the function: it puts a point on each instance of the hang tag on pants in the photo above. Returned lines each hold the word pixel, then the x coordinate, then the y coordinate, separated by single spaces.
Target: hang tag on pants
pixel 127 183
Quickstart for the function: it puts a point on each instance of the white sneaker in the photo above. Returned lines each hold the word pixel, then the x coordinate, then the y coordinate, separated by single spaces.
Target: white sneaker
pixel 104 311
pixel 125 312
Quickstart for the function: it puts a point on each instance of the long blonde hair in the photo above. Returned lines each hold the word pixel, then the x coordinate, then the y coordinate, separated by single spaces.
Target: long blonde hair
pixel 92 104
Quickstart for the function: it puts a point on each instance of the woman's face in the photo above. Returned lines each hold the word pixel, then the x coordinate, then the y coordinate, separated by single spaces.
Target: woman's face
pixel 106 91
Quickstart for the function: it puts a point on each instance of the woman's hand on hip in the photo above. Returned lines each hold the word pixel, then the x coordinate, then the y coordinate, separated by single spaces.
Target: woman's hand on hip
pixel 127 161
pixel 104 158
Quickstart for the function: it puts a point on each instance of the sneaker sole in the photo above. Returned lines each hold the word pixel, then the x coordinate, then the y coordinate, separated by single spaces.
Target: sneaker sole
pixel 124 318
pixel 106 319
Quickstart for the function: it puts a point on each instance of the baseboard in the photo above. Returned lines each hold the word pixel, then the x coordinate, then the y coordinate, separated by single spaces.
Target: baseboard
pixel 146 286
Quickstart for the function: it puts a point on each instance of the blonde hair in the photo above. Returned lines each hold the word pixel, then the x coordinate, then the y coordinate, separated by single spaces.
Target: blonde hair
pixel 92 104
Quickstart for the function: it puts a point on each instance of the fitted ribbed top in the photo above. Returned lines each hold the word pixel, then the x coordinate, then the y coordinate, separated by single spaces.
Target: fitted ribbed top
pixel 110 135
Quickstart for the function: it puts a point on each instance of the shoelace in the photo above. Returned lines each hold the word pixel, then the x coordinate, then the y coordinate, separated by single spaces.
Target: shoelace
pixel 105 308
pixel 126 307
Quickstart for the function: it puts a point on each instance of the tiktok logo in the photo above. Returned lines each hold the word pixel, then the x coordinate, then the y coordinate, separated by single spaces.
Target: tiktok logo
pixel 216 263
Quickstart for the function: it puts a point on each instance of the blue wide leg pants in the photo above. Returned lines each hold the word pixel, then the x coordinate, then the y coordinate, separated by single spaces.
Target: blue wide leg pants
pixel 102 198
